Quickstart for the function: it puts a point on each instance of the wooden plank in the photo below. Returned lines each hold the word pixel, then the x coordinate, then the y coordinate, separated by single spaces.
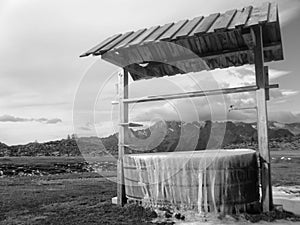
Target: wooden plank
pixel 131 38
pixel 273 52
pixel 214 43
pixel 189 27
pixel 218 41
pixel 114 43
pixel 249 39
pixel 222 21
pixel 232 42
pixel 273 13
pixel 240 18
pixel 145 53
pixel 160 31
pixel 194 94
pixel 133 56
pixel 185 44
pixel 208 43
pixel 204 46
pixel 206 23
pixel 101 45
pixel 118 60
pixel 173 30
pixel 143 36
pixel 195 45
pixel 159 50
pixel 259 15
pixel 266 74
pixel 262 122
pixel 123 134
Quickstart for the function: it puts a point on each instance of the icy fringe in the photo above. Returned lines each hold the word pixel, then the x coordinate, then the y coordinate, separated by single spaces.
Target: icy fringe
pixel 218 181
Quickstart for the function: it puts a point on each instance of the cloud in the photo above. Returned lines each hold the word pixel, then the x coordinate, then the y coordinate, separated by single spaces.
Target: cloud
pixel 289 92
pixel 284 117
pixel 53 121
pixel 290 12
pixel 216 107
pixel 10 118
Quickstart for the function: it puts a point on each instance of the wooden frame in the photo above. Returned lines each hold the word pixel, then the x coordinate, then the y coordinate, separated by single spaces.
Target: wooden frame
pixel 123 134
pixel 220 40
pixel 262 95
pixel 262 121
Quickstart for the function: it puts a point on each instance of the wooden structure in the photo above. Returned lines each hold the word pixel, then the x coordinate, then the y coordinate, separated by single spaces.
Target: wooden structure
pixel 237 37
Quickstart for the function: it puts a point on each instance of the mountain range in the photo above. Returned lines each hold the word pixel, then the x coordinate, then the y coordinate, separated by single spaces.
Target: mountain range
pixel 166 137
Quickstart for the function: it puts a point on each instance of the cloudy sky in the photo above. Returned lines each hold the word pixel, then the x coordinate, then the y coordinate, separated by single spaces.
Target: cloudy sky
pixel 42 76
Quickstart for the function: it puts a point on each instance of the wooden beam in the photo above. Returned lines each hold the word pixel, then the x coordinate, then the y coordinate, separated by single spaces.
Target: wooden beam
pixel 249 38
pixel 193 94
pixel 267 82
pixel 262 122
pixel 123 134
pixel 124 60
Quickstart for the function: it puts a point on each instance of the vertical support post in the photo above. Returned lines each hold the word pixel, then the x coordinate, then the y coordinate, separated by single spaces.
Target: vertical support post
pixel 123 133
pixel 262 122
pixel 266 72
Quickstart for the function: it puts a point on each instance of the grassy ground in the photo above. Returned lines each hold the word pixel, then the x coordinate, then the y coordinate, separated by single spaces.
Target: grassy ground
pixel 285 167
pixel 64 199
pixel 84 198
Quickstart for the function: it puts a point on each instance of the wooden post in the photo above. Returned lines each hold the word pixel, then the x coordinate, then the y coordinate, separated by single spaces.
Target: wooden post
pixel 123 131
pixel 262 122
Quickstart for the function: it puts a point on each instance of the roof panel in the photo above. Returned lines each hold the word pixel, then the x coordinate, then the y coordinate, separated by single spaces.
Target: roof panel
pixel 101 45
pixel 240 18
pixel 206 23
pixel 273 13
pixel 142 37
pixel 113 43
pixel 216 39
pixel 189 27
pixel 222 21
pixel 131 38
pixel 259 15
pixel 173 30
pixel 160 31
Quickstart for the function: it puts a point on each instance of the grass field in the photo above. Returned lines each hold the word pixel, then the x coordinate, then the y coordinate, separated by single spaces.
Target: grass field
pixel 85 198
pixel 285 167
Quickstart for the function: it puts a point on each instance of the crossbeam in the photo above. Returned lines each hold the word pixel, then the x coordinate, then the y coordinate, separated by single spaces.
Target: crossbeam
pixel 194 94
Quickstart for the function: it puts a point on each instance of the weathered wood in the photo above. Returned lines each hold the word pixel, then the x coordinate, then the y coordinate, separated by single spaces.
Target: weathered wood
pixel 134 56
pixel 189 27
pixel 131 38
pixel 240 18
pixel 262 122
pixel 233 57
pixel 173 30
pixel 123 134
pixel 249 39
pixel 203 45
pixel 206 23
pixel 160 31
pixel 114 43
pixel 223 21
pixel 195 94
pixel 145 53
pixel 259 15
pixel 273 13
pixel 266 73
pixel 144 35
pixel 101 45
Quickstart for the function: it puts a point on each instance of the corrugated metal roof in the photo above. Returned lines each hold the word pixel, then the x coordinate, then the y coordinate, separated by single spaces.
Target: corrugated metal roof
pixel 208 36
